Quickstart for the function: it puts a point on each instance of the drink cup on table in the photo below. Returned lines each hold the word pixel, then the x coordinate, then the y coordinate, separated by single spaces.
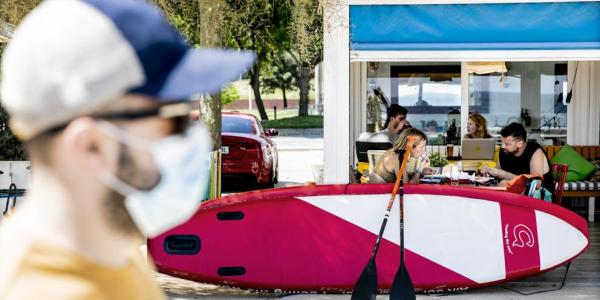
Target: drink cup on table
pixel 450 150
pixel 454 175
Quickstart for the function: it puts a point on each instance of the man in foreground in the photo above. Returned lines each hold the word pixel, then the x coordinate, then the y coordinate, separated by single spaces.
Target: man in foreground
pixel 97 90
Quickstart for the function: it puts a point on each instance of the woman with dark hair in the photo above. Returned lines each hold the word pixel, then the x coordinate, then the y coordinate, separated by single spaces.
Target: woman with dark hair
pixel 388 166
pixel 477 127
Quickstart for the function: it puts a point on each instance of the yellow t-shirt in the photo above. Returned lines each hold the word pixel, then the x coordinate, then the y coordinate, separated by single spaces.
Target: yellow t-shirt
pixel 31 269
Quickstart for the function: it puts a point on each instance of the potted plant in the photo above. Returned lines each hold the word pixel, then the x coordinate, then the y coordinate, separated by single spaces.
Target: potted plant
pixel 437 162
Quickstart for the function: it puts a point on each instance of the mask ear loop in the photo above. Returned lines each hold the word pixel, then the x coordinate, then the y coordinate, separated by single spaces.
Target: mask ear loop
pixel 122 136
pixel 117 184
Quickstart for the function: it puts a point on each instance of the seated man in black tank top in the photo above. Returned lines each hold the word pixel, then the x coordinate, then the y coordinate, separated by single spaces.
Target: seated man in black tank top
pixel 521 157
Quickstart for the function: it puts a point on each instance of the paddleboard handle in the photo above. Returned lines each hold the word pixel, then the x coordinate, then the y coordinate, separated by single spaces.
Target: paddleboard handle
pixel 182 244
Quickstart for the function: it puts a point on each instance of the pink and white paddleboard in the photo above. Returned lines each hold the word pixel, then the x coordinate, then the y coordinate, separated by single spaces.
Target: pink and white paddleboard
pixel 319 238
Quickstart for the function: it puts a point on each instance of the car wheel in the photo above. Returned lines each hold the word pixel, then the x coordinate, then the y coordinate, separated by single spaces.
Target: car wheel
pixel 271 182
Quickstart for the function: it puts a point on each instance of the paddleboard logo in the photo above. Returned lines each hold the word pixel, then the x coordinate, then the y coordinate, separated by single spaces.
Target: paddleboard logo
pixel 522 237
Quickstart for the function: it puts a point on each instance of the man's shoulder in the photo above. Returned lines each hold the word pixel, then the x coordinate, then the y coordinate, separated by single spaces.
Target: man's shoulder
pixel 33 268
pixel 375 137
pixel 536 148
pixel 38 285
pixel 21 258
pixel 15 245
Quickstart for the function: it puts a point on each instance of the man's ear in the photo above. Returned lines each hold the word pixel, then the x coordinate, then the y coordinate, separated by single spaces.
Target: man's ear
pixel 82 142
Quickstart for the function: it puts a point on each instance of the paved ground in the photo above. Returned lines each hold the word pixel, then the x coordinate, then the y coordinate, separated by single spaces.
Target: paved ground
pixel 297 157
pixel 298 152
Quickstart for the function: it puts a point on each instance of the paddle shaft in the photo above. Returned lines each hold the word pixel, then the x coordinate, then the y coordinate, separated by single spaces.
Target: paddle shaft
pixel 402 286
pixel 366 285
pixel 401 224
pixel 393 197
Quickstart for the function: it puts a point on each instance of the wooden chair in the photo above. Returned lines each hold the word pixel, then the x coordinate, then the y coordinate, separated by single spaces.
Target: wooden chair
pixel 559 173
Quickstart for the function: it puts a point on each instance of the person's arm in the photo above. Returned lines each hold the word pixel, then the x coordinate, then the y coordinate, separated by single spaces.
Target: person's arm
pixel 498 172
pixel 538 163
pixel 405 178
pixel 386 165
pixel 414 178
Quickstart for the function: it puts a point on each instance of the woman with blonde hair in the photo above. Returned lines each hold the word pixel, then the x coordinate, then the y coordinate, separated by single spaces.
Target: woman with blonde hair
pixel 388 166
pixel 477 127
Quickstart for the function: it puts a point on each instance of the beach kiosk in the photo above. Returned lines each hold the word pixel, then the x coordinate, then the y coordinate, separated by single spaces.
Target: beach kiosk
pixel 511 61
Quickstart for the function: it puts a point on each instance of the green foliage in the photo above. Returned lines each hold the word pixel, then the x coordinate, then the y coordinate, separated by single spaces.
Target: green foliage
pixel 307 45
pixel 261 26
pixel 437 160
pixel 13 11
pixel 295 122
pixel 229 94
pixel 307 32
pixel 199 21
pixel 280 74
pixel 10 147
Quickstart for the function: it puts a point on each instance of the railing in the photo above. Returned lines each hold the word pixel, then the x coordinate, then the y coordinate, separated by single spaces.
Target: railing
pixel 441 149
pixel 13 180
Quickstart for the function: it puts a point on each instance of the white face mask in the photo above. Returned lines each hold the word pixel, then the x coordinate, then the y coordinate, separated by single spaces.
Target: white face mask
pixel 182 161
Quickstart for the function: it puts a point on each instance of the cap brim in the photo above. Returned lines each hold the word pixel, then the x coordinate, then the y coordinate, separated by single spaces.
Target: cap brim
pixel 203 71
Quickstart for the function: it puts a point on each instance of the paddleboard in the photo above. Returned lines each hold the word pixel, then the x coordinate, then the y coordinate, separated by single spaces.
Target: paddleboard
pixel 319 238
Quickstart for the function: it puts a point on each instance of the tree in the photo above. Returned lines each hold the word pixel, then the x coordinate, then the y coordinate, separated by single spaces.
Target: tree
pixel 10 147
pixel 11 12
pixel 259 25
pixel 229 94
pixel 200 23
pixel 307 45
pixel 281 74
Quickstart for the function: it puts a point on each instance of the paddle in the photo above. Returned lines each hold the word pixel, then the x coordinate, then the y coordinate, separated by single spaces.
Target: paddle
pixel 402 287
pixel 366 285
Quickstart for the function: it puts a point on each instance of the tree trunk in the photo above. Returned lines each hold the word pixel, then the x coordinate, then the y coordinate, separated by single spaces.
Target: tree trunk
pixel 304 86
pixel 255 83
pixel 210 37
pixel 285 104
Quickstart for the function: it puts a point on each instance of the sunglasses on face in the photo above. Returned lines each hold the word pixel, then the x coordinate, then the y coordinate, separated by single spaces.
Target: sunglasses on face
pixel 178 113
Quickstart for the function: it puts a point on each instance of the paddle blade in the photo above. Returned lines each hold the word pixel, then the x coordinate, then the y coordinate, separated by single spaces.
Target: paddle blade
pixel 402 287
pixel 366 285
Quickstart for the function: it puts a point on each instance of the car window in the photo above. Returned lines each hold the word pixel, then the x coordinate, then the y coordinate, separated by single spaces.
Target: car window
pixel 237 125
pixel 260 128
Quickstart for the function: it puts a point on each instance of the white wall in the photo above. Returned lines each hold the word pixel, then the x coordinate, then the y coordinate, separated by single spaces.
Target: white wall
pixel 583 113
pixel 15 172
pixel 336 73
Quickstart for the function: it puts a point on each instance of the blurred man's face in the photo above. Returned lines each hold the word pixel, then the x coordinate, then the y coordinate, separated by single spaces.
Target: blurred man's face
pixel 397 123
pixel 139 174
pixel 134 165
pixel 511 145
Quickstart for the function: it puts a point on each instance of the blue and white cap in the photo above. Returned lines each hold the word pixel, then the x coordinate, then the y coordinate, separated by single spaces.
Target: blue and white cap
pixel 73 57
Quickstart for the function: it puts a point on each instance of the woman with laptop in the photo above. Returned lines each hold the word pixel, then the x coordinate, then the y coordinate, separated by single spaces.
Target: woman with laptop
pixel 477 127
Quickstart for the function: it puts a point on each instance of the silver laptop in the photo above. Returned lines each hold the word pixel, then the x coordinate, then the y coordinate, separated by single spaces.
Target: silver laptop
pixel 482 149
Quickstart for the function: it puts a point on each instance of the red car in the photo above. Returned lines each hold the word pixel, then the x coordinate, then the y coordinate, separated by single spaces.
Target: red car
pixel 249 154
